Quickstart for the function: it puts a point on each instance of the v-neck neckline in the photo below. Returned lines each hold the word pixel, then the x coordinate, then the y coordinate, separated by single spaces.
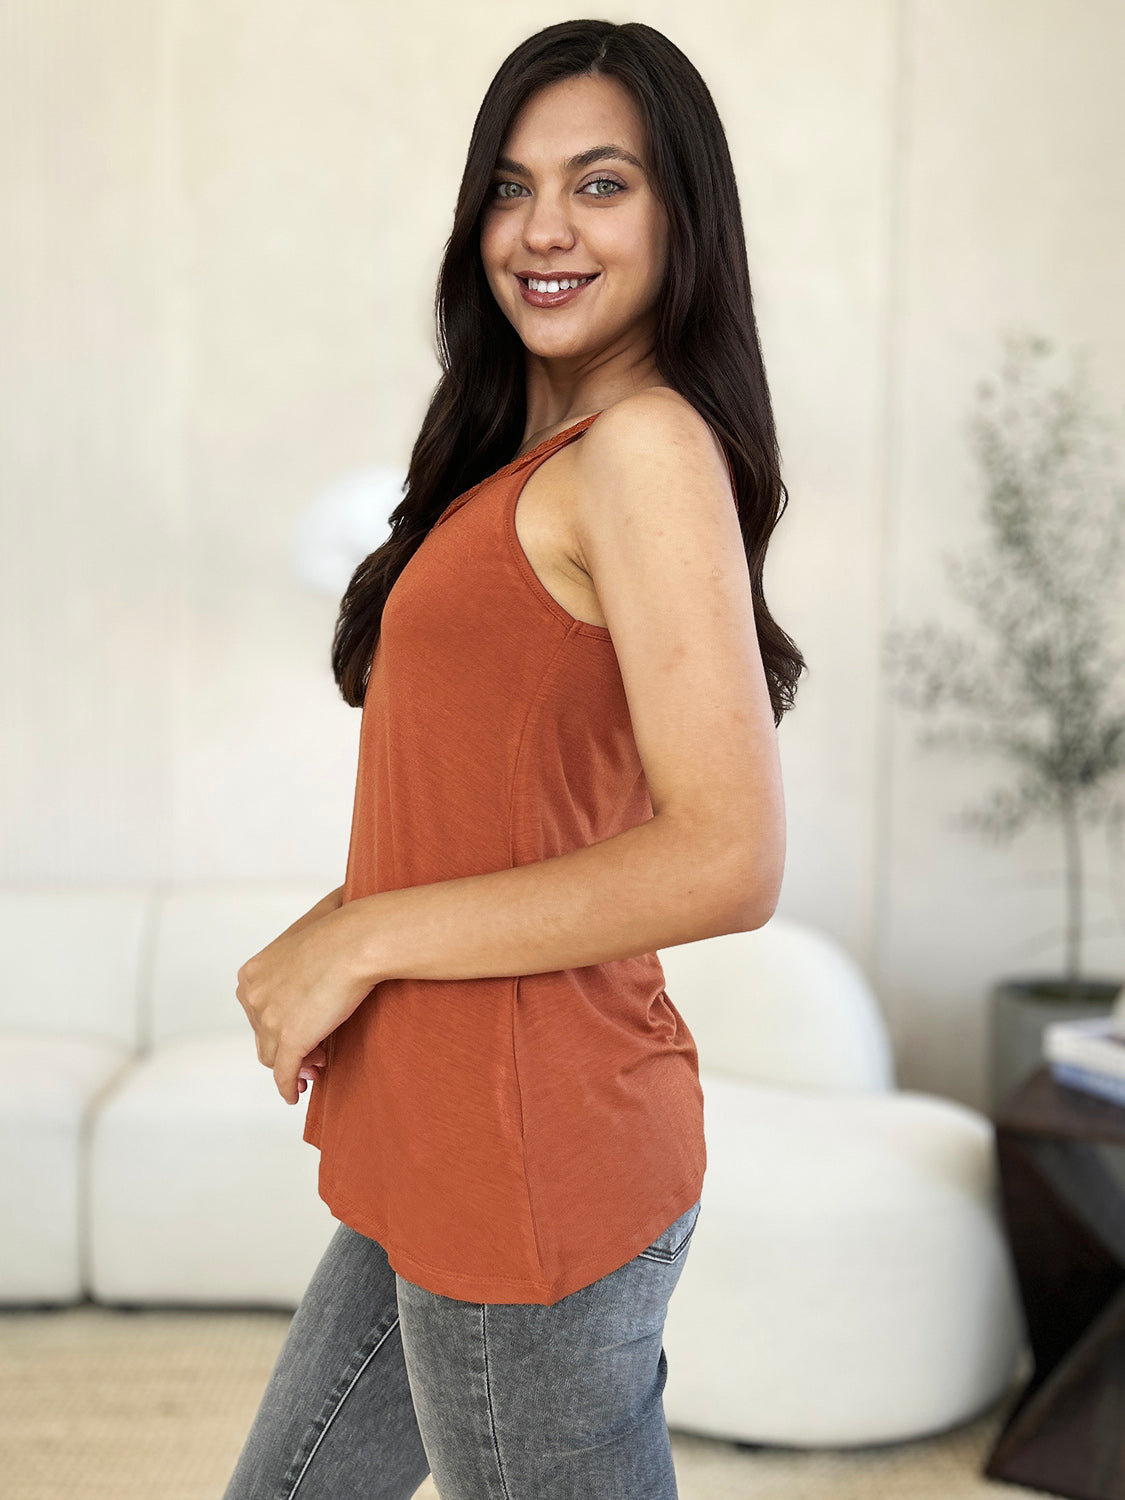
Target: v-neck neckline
pixel 514 463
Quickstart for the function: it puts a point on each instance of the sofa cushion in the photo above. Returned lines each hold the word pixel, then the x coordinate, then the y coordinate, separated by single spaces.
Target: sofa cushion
pixel 52 1085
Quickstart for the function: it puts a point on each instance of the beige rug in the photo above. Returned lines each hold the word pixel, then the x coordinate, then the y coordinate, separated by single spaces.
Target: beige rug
pixel 101 1404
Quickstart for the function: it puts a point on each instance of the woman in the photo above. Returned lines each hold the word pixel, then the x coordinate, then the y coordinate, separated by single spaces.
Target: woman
pixel 567 761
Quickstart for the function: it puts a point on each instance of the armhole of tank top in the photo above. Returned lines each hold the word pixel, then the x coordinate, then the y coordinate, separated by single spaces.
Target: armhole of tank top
pixel 526 467
pixel 523 562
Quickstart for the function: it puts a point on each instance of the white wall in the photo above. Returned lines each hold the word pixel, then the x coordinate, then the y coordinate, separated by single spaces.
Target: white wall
pixel 221 228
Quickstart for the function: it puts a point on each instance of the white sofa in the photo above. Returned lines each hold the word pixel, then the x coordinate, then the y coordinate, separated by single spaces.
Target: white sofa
pixel 149 1154
pixel 848 1281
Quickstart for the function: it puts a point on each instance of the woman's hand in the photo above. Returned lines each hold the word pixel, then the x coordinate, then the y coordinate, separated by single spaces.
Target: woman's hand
pixel 296 991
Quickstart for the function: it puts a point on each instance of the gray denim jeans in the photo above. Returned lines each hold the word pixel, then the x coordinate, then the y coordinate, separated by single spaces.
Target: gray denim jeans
pixel 379 1383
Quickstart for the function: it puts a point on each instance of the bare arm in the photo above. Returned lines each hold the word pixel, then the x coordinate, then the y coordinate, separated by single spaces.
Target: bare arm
pixel 330 903
pixel 653 886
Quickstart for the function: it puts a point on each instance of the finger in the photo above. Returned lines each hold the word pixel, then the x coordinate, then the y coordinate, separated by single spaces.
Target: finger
pixel 285 1076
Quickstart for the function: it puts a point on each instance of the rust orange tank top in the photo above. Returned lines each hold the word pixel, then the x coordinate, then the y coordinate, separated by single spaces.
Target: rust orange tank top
pixel 504 1139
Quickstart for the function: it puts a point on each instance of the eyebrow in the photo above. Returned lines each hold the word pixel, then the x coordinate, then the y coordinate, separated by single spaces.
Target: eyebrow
pixel 576 163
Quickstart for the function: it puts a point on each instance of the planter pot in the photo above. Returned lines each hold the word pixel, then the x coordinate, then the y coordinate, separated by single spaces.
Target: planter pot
pixel 1022 1009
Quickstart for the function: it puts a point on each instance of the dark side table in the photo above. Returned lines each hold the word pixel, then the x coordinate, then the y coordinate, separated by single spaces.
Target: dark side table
pixel 1063 1201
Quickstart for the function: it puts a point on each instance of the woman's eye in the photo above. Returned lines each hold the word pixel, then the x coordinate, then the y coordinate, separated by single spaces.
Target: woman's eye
pixel 497 185
pixel 612 182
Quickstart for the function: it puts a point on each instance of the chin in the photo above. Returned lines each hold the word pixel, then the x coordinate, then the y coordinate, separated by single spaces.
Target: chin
pixel 573 348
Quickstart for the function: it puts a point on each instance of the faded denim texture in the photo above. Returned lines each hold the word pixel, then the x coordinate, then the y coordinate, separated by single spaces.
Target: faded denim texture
pixel 380 1382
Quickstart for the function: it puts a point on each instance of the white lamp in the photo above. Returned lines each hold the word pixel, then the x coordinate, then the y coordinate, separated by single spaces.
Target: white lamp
pixel 343 523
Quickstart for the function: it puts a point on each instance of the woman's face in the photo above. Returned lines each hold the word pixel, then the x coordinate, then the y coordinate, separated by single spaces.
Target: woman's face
pixel 550 213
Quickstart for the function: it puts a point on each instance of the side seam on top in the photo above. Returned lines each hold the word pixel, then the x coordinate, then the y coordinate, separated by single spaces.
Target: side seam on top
pixel 537 699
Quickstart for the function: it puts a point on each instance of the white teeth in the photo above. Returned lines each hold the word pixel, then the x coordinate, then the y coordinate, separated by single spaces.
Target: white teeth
pixel 557 286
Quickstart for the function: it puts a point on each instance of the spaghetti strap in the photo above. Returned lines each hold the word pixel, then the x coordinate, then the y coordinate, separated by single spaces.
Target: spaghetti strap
pixel 555 440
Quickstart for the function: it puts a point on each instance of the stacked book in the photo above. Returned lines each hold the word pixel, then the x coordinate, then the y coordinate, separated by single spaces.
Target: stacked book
pixel 1089 1054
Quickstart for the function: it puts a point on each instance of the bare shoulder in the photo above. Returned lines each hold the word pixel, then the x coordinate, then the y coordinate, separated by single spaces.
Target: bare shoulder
pixel 656 428
pixel 650 467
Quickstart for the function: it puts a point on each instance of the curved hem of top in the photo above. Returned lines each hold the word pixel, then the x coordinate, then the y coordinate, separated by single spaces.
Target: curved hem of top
pixel 541 1293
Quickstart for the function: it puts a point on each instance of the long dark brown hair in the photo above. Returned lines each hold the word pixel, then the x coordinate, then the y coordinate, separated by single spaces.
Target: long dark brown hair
pixel 706 339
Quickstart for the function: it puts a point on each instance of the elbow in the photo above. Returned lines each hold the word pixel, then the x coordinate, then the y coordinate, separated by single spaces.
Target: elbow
pixel 738 884
pixel 753 914
pixel 750 893
pixel 746 902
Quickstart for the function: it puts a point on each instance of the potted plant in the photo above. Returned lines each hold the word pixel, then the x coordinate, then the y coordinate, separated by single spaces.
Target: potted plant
pixel 1037 683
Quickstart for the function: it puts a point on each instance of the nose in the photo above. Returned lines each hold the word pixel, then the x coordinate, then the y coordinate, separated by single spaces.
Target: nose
pixel 547 225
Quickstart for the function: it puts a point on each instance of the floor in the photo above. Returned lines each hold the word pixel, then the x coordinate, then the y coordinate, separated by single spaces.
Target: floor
pixel 102 1404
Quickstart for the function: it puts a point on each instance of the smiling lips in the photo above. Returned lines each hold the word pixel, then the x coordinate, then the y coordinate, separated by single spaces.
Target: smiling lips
pixel 534 291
